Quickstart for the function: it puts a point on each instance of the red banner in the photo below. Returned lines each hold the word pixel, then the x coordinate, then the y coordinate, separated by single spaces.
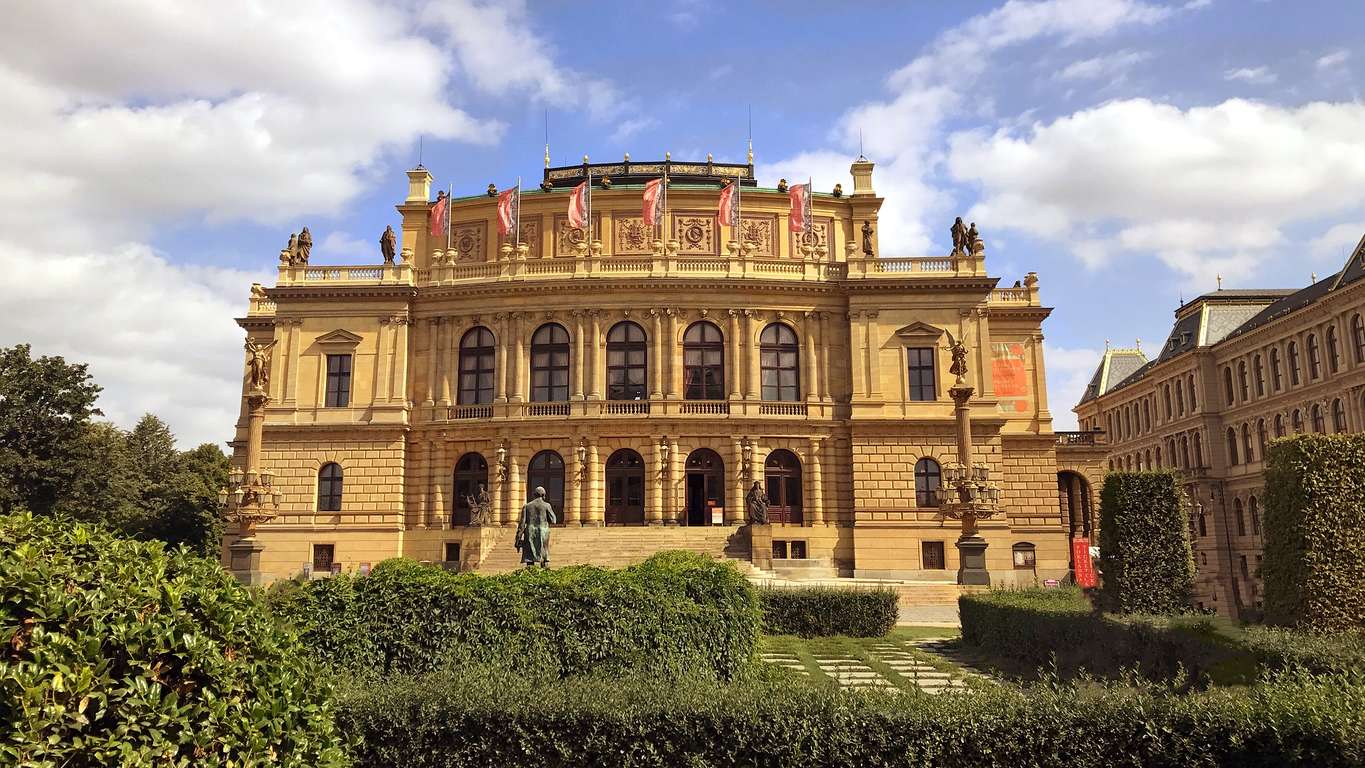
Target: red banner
pixel 1085 569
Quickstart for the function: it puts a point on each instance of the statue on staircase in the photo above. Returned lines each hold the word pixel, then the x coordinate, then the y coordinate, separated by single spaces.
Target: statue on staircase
pixel 756 504
pixel 533 530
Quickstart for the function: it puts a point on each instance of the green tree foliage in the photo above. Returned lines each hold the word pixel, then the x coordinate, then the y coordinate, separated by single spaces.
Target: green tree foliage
pixel 45 408
pixel 121 652
pixel 1314 566
pixel 1145 544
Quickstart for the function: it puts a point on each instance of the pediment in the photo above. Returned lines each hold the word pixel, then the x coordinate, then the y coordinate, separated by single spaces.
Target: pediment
pixel 919 331
pixel 339 337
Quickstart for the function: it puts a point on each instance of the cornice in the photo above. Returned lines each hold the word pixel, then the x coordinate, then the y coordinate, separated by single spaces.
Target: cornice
pixel 324 291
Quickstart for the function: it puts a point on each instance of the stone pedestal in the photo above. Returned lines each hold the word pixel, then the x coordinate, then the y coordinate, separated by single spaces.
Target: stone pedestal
pixel 971 552
pixel 245 556
pixel 761 546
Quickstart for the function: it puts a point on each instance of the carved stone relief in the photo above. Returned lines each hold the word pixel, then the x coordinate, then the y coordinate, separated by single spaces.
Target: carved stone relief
pixel 696 234
pixel 530 236
pixel 567 238
pixel 817 236
pixel 758 232
pixel 467 240
pixel 630 236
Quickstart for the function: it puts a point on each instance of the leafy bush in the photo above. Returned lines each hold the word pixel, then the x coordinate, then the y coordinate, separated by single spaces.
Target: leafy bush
pixel 1145 544
pixel 823 611
pixel 1314 567
pixel 675 614
pixel 483 717
pixel 118 652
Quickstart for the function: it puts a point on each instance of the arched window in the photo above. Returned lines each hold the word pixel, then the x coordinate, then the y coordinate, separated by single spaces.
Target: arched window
pixel 1275 380
pixel 1179 398
pixel 1294 363
pixel 1128 422
pixel 1260 438
pixel 1338 416
pixel 703 362
pixel 627 359
pixel 1227 386
pixel 1314 357
pixel 1358 337
pixel 1198 450
pixel 1158 457
pixel 1242 381
pixel 1232 446
pixel 1279 425
pixel 329 487
pixel 550 364
pixel 1194 403
pixel 928 477
pixel 1333 350
pixel 1258 370
pixel 1166 399
pixel 782 478
pixel 779 363
pixel 1319 424
pixel 476 367
pixel 1296 421
pixel 1254 511
pixel 471 477
pixel 1147 459
pixel 1147 415
pixel 625 488
pixel 546 470
pixel 1184 452
pixel 1241 517
pixel 1247 458
pixel 705 485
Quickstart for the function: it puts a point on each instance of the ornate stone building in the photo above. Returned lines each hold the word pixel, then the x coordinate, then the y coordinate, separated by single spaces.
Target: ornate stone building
pixel 647 383
pixel 1239 368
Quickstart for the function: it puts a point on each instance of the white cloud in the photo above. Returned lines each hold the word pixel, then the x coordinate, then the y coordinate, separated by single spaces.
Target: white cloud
pixel 631 126
pixel 1338 242
pixel 1333 60
pixel 1253 75
pixel 1206 189
pixel 1068 373
pixel 339 245
pixel 1112 66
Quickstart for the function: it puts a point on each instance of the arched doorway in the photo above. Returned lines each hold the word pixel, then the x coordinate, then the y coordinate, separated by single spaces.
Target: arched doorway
pixel 705 485
pixel 625 488
pixel 1074 493
pixel 782 478
pixel 471 476
pixel 546 470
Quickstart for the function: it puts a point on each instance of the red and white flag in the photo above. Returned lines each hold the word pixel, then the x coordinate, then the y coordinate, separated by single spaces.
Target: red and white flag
pixel 729 204
pixel 440 215
pixel 578 207
pixel 509 210
pixel 798 219
pixel 654 202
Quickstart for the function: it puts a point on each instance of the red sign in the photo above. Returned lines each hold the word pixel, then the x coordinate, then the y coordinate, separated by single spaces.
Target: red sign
pixel 1085 570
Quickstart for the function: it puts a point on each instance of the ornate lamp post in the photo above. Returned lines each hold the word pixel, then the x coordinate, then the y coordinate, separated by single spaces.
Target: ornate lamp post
pixel 966 492
pixel 251 497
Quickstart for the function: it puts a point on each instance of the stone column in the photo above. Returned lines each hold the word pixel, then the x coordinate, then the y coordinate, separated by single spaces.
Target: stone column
pixel 516 387
pixel 444 340
pixel 734 467
pixel 751 363
pixel 656 480
pixel 857 368
pixel 595 348
pixel 822 366
pixel 668 346
pixel 500 347
pixel 433 330
pixel 398 378
pixel 277 357
pixel 380 380
pixel 872 352
pixel 656 353
pixel 732 355
pixel 291 374
pixel 596 511
pixel 516 482
pixel 440 510
pixel 811 385
pixel 576 364
pixel 817 485
pixel 676 512
pixel 499 490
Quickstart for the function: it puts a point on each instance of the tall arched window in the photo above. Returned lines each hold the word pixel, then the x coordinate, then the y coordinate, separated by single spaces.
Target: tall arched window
pixel 1241 517
pixel 1338 416
pixel 1147 415
pixel 1232 446
pixel 1319 424
pixel 703 362
pixel 1179 398
pixel 1358 337
pixel 471 477
pixel 546 470
pixel 1158 457
pixel 627 359
pixel 476 367
pixel 1296 421
pixel 1198 450
pixel 1227 386
pixel 1166 399
pixel 329 487
pixel 928 477
pixel 705 486
pixel 1258 370
pixel 1333 351
pixel 1254 511
pixel 1314 357
pixel 1147 458
pixel 1247 457
pixel 1242 381
pixel 1194 402
pixel 1275 380
pixel 1294 363
pixel 1260 438
pixel 1184 452
pixel 625 488
pixel 550 364
pixel 1279 425
pixel 779 363
pixel 782 478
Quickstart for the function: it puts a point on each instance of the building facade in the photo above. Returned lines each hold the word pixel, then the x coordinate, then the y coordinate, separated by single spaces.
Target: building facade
pixel 1239 369
pixel 647 383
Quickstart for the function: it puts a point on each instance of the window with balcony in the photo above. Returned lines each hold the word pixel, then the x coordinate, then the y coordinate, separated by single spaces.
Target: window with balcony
pixel 923 386
pixel 476 367
pixel 627 359
pixel 329 487
pixel 338 381
pixel 703 362
pixel 928 477
pixel 779 363
pixel 550 364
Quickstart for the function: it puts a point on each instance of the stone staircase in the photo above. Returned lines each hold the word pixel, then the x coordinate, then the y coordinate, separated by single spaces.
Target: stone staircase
pixel 618 547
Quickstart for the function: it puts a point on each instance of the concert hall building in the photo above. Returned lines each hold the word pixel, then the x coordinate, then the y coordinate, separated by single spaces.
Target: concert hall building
pixel 647 383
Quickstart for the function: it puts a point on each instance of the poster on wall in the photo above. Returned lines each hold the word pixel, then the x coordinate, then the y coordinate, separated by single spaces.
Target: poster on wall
pixel 1011 377
pixel 1085 569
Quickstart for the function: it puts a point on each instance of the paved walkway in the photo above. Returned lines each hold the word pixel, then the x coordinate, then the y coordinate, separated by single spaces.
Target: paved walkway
pixel 929 616
pixel 889 665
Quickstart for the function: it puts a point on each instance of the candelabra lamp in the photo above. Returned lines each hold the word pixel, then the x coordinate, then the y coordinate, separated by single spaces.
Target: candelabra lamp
pixel 969 494
pixel 250 497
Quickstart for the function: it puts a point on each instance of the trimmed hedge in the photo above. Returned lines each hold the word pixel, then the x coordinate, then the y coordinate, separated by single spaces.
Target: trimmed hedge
pixel 676 614
pixel 118 652
pixel 824 611
pixel 483 718
pixel 1145 544
pixel 1314 568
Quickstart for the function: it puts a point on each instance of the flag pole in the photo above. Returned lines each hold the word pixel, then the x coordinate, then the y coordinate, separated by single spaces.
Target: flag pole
pixel 516 220
pixel 450 192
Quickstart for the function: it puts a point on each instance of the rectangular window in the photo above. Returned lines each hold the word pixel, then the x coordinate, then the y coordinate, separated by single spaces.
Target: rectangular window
pixel 922 387
pixel 779 550
pixel 323 557
pixel 931 553
pixel 1242 562
pixel 1025 558
pixel 798 550
pixel 338 381
pixel 452 552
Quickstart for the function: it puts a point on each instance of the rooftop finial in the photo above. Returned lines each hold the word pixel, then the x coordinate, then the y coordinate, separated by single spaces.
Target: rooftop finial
pixel 708 157
pixel 1138 343
pixel 751 134
pixel 668 156
pixel 1219 278
pixel 627 157
pixel 585 159
pixel 547 155
pixel 1106 345
pixel 1313 276
pixel 547 138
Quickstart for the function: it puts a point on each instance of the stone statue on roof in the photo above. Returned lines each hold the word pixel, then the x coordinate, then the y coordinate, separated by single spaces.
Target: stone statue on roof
pixel 959 352
pixel 304 248
pixel 388 244
pixel 867 238
pixel 959 231
pixel 973 239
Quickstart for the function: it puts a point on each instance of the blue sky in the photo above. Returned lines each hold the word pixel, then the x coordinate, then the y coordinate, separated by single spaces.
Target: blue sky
pixel 1127 151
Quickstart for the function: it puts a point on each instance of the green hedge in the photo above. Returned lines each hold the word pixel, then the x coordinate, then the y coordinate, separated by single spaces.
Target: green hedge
pixel 824 611
pixel 1145 544
pixel 1314 568
pixel 676 614
pixel 118 652
pixel 483 719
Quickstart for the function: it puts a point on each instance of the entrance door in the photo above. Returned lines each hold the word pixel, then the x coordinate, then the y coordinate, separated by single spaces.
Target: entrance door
pixel 705 485
pixel 625 489
pixel 471 477
pixel 696 500
pixel 782 476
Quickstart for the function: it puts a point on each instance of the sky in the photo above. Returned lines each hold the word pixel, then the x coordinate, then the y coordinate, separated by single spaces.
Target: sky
pixel 155 156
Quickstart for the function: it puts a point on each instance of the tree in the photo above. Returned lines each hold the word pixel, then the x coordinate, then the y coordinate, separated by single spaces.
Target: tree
pixel 45 409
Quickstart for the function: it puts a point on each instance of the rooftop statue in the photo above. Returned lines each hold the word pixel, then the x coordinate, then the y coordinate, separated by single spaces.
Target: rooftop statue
pixel 959 352
pixel 533 530
pixel 305 247
pixel 756 504
pixel 959 231
pixel 867 238
pixel 258 366
pixel 973 239
pixel 388 244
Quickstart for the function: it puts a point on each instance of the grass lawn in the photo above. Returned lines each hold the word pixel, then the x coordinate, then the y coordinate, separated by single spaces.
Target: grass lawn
pixel 868 650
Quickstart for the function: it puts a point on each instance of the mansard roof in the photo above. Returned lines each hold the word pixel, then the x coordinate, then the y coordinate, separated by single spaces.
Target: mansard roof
pixel 1116 366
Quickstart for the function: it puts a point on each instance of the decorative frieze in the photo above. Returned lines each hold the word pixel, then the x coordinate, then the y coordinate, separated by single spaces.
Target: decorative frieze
pixel 630 236
pixel 696 234
pixel 467 240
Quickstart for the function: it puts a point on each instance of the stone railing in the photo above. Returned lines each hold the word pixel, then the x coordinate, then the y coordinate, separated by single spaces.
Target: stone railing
pixel 637 408
pixel 1081 438
pixel 383 274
